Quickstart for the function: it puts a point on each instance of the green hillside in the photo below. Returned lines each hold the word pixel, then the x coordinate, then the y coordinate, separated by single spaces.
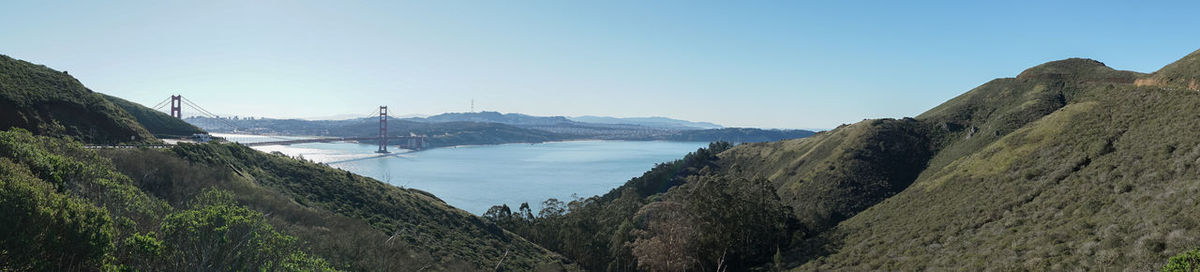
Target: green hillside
pixel 68 209
pixel 1071 165
pixel 160 124
pixel 49 102
pixel 1102 181
pixel 838 173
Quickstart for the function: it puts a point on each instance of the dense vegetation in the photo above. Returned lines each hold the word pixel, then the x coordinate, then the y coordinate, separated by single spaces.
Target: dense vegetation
pixel 66 208
pixel 49 102
pixel 158 123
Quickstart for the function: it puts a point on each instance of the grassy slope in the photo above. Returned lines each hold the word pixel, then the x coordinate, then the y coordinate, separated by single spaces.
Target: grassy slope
pixel 34 97
pixel 158 123
pixel 1067 166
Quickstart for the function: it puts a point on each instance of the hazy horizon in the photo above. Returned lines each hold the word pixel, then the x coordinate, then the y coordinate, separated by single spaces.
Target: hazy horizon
pixel 770 65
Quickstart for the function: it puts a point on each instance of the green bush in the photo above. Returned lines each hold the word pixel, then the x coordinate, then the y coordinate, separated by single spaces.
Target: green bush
pixel 1188 261
pixel 45 230
pixel 216 233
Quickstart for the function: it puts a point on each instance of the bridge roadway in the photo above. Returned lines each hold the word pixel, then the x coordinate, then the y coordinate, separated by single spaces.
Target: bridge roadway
pixel 415 142
pixel 126 146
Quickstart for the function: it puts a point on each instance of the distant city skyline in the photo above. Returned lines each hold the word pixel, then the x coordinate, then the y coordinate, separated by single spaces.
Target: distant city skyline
pixel 787 64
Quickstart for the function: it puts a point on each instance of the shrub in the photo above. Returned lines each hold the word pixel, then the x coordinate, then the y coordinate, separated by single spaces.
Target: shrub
pixel 1188 261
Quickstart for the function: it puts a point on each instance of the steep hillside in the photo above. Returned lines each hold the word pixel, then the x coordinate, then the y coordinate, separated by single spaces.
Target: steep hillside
pixel 1104 181
pixel 834 175
pixel 158 123
pixel 49 102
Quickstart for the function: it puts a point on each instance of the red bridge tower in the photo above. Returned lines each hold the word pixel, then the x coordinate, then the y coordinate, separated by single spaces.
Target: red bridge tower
pixel 176 106
pixel 383 116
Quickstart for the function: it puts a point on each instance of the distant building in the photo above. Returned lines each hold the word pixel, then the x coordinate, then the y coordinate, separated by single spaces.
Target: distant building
pixel 202 137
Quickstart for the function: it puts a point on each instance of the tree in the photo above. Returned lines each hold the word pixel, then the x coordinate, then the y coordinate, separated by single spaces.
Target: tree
pixel 498 213
pixel 666 237
pixel 713 222
pixel 1184 262
pixel 526 212
pixel 45 230
pixel 741 221
pixel 552 208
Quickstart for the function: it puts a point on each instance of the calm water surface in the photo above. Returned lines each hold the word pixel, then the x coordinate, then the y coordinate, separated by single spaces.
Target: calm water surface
pixel 474 178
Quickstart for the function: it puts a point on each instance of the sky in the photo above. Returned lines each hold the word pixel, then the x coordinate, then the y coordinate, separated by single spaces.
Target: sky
pixel 770 64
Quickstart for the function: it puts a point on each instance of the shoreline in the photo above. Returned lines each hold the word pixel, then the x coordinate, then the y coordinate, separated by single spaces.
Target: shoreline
pixel 220 134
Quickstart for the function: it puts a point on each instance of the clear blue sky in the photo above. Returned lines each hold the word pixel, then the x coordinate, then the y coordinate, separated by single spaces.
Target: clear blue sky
pixel 778 64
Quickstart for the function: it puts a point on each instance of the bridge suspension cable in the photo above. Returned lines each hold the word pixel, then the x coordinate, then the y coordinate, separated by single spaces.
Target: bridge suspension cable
pixel 208 113
pixel 161 104
pixel 382 116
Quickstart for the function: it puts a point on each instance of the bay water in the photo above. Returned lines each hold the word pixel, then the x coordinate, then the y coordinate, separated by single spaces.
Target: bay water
pixel 474 178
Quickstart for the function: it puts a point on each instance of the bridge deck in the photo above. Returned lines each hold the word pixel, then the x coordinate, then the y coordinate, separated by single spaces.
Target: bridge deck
pixel 339 139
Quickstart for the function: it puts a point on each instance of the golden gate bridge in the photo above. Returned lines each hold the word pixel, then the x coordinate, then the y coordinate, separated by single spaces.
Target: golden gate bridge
pixel 411 142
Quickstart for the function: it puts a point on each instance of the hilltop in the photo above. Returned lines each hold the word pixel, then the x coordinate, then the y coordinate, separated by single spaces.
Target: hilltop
pixel 39 99
pixel 1070 165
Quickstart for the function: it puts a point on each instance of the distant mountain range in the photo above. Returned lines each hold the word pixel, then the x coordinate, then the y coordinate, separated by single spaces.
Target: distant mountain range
pixel 646 121
pixel 493 117
pixel 451 129
pixel 524 120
